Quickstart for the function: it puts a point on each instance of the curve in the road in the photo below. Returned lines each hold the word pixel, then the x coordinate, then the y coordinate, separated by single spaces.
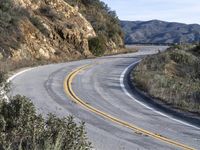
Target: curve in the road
pixel 145 105
pixel 69 91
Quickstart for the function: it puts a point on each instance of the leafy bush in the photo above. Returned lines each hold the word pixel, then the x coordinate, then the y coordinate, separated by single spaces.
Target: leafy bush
pixel 5 5
pixel 9 14
pixel 96 46
pixel 22 129
pixel 5 18
pixel 9 31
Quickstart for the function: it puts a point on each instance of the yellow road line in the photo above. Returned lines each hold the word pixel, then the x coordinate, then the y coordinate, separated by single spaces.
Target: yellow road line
pixel 69 91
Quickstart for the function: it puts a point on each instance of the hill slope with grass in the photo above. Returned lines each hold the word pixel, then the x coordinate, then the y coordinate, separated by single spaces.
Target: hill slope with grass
pixel 173 77
pixel 156 31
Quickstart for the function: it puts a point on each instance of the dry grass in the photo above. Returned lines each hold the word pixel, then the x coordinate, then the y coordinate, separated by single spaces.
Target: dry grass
pixel 10 65
pixel 173 77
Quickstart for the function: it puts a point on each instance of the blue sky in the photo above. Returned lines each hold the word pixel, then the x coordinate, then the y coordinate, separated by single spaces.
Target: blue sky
pixel 185 11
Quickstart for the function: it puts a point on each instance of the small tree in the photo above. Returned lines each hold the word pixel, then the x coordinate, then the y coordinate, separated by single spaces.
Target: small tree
pixel 97 45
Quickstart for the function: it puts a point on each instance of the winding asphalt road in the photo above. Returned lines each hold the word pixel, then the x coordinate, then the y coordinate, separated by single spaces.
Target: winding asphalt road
pixel 119 122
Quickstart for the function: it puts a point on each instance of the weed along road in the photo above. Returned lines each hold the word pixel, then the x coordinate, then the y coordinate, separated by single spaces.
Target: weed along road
pixel 94 91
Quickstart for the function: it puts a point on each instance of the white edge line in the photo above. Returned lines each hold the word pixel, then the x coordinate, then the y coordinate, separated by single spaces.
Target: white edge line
pixel 19 73
pixel 145 105
pixel 14 76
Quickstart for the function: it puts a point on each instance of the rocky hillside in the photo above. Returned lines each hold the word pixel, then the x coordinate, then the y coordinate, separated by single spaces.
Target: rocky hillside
pixel 51 30
pixel 105 23
pixel 156 31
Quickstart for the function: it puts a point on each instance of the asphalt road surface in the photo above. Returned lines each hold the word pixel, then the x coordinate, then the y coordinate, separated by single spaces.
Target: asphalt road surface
pixel 114 119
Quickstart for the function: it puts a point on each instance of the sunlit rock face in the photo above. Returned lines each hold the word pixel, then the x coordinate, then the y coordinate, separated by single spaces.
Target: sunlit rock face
pixel 48 29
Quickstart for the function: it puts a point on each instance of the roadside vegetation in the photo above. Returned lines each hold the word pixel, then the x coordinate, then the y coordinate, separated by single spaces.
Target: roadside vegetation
pixel 21 128
pixel 172 77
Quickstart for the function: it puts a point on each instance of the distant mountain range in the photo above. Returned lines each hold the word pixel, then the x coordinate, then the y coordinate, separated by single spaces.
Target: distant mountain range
pixel 156 31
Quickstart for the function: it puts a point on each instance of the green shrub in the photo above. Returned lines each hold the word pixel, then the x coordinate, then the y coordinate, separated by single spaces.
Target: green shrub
pixel 5 19
pixel 5 13
pixel 22 129
pixel 9 14
pixel 10 35
pixel 96 46
pixel 6 5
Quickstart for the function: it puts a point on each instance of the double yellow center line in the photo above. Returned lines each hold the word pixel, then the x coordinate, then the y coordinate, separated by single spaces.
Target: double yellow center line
pixel 69 91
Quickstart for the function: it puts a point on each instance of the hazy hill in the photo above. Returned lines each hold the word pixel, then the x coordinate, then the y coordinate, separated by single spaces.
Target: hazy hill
pixel 156 31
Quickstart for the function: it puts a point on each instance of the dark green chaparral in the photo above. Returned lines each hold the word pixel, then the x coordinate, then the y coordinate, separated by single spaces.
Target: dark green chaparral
pixel 22 129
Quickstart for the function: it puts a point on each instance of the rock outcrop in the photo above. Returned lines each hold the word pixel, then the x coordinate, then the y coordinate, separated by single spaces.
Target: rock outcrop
pixel 49 29
pixel 105 23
